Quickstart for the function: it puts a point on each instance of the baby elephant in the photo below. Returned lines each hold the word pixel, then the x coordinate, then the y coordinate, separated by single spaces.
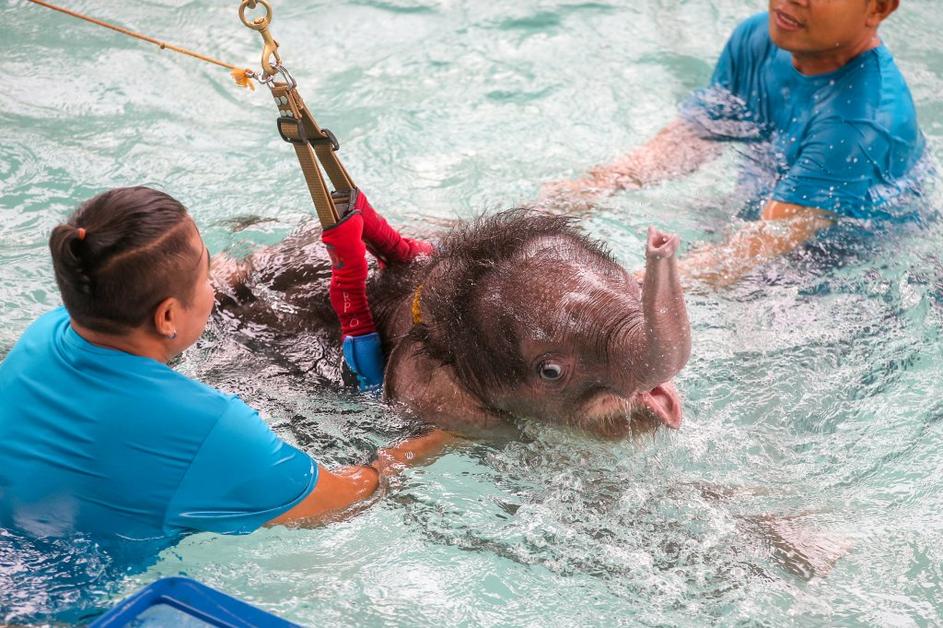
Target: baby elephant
pixel 515 315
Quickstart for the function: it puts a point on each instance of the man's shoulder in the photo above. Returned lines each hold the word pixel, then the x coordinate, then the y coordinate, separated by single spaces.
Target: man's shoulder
pixel 43 329
pixel 746 51
pixel 745 54
pixel 895 97
pixel 865 78
pixel 874 91
pixel 757 23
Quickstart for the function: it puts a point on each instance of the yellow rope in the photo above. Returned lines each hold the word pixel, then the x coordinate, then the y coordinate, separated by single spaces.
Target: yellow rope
pixel 240 75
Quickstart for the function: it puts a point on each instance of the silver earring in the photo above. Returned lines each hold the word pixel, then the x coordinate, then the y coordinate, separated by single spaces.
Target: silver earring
pixel 173 335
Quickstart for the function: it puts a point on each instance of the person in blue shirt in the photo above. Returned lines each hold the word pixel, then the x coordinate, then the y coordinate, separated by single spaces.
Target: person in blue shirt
pixel 812 83
pixel 99 436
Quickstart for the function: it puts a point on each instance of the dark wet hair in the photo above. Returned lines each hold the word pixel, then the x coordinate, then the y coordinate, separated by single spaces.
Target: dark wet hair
pixel 485 353
pixel 120 254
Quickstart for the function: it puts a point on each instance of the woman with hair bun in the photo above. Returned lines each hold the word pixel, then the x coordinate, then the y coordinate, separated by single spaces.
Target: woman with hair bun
pixel 98 435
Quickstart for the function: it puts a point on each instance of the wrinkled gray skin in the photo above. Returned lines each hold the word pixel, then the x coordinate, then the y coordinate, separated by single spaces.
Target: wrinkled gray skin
pixel 544 325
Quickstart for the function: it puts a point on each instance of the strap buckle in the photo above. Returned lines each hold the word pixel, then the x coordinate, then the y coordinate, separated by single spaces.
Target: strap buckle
pixel 327 137
pixel 299 125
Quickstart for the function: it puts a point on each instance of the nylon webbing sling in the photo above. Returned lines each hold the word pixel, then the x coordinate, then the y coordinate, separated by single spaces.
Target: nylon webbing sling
pixel 343 234
pixel 315 147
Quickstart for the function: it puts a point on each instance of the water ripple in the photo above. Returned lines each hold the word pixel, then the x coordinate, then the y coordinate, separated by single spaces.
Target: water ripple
pixel 805 485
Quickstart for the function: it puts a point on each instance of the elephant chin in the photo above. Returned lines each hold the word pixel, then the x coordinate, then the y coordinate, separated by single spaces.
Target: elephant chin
pixel 616 418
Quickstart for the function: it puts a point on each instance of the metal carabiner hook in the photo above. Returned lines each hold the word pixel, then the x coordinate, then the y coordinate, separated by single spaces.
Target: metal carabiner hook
pixel 261 24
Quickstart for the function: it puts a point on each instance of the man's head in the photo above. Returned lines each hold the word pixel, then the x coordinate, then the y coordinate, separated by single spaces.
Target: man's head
pixel 132 258
pixel 826 27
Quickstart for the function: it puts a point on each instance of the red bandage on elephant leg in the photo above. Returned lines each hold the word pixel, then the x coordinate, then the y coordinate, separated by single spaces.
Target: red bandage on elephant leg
pixel 349 275
pixel 384 241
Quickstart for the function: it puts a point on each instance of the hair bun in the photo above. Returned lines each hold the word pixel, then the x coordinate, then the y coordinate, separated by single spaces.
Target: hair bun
pixel 142 249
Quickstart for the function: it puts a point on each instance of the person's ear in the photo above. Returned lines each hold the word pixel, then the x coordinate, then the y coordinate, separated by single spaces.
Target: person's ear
pixel 880 11
pixel 165 317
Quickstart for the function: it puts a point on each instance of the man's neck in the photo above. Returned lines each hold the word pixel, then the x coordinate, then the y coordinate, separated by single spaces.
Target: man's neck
pixel 814 63
pixel 136 342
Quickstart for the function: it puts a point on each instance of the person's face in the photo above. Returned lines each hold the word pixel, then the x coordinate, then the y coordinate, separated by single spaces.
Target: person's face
pixel 820 26
pixel 190 318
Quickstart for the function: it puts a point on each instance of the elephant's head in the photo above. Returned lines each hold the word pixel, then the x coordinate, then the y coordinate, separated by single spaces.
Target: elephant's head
pixel 521 315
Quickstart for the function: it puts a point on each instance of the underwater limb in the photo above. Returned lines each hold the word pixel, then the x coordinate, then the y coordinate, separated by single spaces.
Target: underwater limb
pixel 348 295
pixel 676 150
pixel 798 546
pixel 784 228
pixel 800 549
pixel 384 241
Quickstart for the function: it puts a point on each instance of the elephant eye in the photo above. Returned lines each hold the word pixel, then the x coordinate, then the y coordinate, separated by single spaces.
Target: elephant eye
pixel 550 371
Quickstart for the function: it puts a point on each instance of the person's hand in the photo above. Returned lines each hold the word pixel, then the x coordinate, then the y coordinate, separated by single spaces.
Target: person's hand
pixel 412 451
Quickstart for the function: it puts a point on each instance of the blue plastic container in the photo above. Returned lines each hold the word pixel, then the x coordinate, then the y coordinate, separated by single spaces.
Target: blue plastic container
pixel 186 603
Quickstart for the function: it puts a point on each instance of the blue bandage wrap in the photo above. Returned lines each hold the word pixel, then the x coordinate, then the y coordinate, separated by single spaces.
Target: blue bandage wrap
pixel 364 356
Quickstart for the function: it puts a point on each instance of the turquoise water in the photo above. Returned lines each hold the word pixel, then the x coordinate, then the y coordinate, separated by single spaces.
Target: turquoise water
pixel 806 485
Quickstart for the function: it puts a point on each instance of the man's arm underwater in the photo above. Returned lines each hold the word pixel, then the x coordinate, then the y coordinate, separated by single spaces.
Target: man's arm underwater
pixel 783 228
pixel 675 151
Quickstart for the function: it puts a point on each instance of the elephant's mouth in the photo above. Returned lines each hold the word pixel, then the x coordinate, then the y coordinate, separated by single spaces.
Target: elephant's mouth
pixel 617 418
pixel 663 403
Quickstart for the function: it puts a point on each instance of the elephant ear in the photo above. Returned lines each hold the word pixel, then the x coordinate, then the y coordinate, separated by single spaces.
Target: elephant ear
pixel 433 391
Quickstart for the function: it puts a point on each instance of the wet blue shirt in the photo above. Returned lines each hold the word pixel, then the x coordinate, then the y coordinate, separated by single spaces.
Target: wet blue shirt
pixel 844 141
pixel 103 442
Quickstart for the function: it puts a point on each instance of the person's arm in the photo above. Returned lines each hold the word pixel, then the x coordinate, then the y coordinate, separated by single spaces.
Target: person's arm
pixel 675 151
pixel 783 228
pixel 338 490
pixel 681 147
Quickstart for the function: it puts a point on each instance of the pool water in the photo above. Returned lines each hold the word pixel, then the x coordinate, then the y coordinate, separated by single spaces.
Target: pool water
pixel 806 485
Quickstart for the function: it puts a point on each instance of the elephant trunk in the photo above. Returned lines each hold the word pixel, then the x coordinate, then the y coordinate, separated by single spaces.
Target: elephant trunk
pixel 666 338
